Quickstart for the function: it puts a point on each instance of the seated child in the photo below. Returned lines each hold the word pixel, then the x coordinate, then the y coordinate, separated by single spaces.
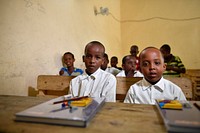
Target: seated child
pixel 114 62
pixel 174 65
pixel 105 67
pixel 68 61
pixel 153 86
pixel 134 50
pixel 95 82
pixel 129 67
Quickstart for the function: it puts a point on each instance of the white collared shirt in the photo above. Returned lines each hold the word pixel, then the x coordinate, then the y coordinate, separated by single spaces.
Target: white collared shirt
pixel 122 74
pixel 112 70
pixel 143 92
pixel 98 84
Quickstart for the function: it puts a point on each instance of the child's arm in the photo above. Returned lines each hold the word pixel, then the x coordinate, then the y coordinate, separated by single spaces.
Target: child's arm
pixel 109 89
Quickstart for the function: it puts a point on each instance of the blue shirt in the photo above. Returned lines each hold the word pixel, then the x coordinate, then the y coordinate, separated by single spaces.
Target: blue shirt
pixel 76 72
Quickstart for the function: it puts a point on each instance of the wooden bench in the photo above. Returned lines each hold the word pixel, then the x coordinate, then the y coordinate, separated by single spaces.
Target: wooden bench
pixel 53 85
pixel 194 75
pixel 123 84
pixel 185 84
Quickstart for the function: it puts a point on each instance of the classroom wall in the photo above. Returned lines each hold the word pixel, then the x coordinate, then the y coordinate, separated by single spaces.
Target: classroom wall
pixel 34 34
pixel 155 22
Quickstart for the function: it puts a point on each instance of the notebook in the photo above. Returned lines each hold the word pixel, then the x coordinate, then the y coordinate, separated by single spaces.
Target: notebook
pixel 181 120
pixel 50 113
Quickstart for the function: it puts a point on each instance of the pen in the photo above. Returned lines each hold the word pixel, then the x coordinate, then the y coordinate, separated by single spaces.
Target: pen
pixel 71 99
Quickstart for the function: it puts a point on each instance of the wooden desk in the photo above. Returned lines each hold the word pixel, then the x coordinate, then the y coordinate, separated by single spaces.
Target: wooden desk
pixel 112 118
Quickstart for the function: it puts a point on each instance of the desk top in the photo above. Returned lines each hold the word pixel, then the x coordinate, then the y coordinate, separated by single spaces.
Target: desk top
pixel 113 117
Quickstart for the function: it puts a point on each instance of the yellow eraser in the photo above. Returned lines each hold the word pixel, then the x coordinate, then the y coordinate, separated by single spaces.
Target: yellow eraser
pixel 82 102
pixel 174 104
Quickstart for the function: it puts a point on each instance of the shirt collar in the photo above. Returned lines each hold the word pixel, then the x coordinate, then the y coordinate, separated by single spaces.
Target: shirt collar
pixel 159 85
pixel 93 76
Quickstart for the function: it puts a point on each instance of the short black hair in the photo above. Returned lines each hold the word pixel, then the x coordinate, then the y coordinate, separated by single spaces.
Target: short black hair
pixel 95 43
pixel 150 47
pixel 115 58
pixel 69 54
pixel 125 58
pixel 166 48
pixel 134 46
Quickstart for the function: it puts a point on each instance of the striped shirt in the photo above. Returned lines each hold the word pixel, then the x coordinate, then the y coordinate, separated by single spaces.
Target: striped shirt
pixel 175 62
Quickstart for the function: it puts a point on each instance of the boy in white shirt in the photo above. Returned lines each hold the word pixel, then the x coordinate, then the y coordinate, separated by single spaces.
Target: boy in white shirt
pixel 153 86
pixel 129 67
pixel 105 67
pixel 94 82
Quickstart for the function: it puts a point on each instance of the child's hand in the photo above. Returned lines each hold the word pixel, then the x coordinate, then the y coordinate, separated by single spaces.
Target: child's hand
pixel 61 72
pixel 131 73
pixel 170 67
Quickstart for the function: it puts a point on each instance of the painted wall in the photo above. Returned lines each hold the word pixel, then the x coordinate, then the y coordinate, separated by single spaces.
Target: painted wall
pixel 183 36
pixel 34 34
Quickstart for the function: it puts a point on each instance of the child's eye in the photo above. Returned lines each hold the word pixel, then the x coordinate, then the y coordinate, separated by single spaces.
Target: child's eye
pixel 145 64
pixel 157 63
pixel 98 57
pixel 88 56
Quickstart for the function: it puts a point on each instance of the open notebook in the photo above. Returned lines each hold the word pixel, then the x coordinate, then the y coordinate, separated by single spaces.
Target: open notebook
pixel 181 120
pixel 50 113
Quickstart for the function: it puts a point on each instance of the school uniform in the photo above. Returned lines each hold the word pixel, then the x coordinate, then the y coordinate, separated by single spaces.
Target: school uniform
pixel 112 70
pixel 98 84
pixel 143 92
pixel 122 74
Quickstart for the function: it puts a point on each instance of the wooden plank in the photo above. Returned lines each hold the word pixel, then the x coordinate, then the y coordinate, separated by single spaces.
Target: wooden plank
pixel 194 75
pixel 185 84
pixel 123 84
pixel 113 117
pixel 53 84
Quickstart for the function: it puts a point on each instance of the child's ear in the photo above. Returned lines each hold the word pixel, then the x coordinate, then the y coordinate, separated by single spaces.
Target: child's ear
pixel 103 59
pixel 164 66
pixel 123 66
pixel 83 58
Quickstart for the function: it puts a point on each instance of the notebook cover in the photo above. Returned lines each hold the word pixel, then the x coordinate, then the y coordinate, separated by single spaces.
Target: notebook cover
pixel 185 120
pixel 50 113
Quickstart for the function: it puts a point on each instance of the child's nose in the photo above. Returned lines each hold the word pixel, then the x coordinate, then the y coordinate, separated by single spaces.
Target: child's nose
pixel 151 66
pixel 92 59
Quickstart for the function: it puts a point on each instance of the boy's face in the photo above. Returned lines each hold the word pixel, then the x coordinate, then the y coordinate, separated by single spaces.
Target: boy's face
pixel 113 62
pixel 68 60
pixel 134 51
pixel 93 58
pixel 152 64
pixel 130 64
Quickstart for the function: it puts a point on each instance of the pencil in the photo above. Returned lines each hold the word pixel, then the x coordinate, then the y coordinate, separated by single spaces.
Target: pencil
pixel 197 106
pixel 71 99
